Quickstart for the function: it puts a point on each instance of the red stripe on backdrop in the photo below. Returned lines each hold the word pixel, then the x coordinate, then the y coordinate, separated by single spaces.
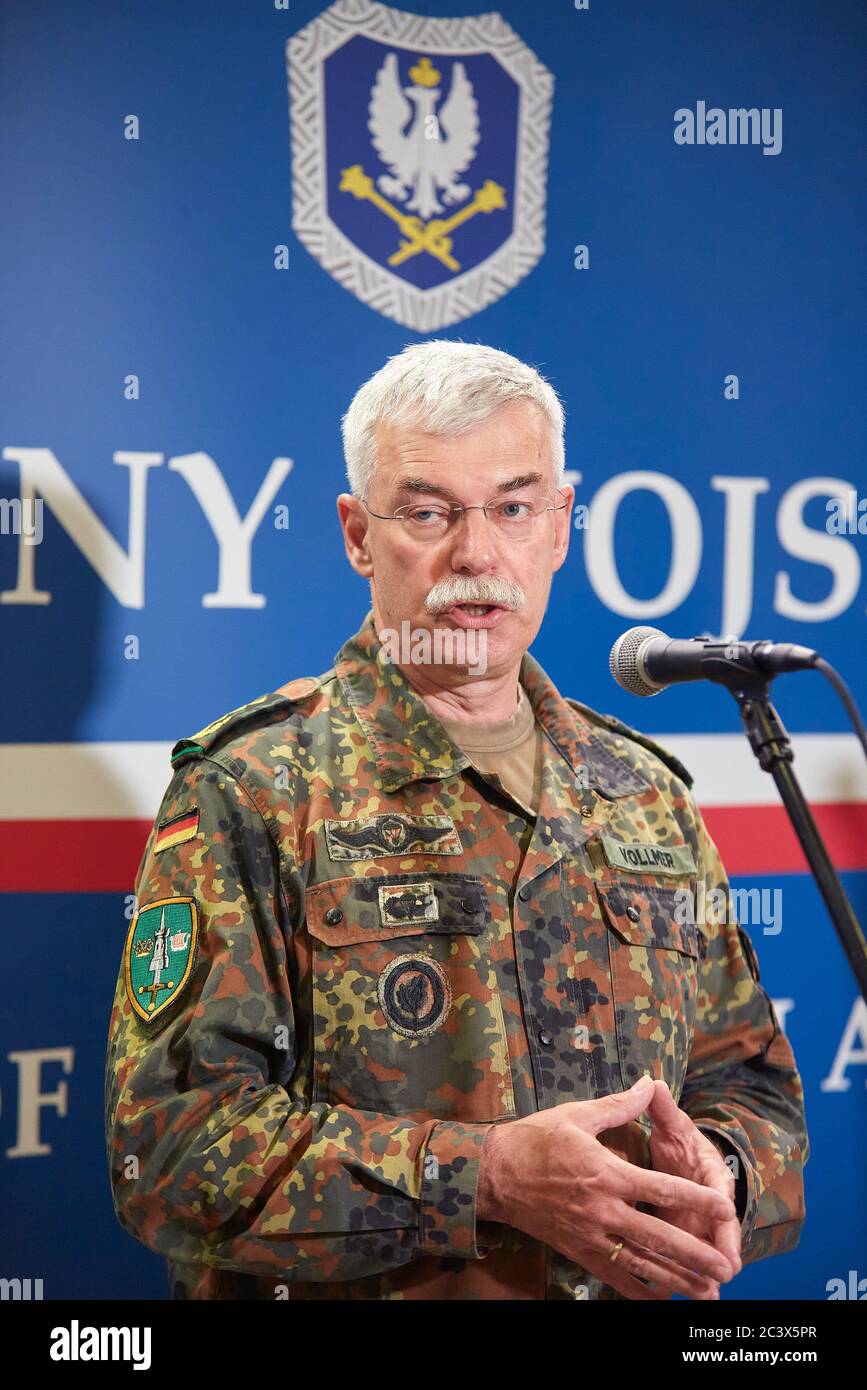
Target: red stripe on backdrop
pixel 102 856
pixel 760 839
pixel 70 856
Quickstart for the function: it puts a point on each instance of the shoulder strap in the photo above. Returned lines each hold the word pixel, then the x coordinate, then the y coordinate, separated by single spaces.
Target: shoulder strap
pixel 267 709
pixel 618 727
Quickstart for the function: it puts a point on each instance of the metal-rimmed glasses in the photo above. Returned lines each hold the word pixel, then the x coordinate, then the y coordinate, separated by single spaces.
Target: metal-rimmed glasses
pixel 512 517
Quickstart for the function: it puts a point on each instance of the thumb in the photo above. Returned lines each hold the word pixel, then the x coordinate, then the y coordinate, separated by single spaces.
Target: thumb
pixel 610 1111
pixel 663 1108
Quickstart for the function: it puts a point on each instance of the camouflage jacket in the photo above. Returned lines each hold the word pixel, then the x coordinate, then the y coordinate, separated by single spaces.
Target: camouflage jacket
pixel 377 953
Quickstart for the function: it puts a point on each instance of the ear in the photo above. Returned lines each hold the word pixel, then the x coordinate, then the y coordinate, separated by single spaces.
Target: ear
pixel 563 525
pixel 354 522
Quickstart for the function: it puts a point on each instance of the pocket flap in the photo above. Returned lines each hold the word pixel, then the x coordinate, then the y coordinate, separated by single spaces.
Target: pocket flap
pixel 647 915
pixel 343 911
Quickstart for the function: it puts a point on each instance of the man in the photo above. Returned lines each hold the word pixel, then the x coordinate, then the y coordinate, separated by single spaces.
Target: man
pixel 436 1021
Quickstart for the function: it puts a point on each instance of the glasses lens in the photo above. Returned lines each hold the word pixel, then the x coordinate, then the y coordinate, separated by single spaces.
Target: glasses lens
pixel 517 516
pixel 425 522
pixel 511 516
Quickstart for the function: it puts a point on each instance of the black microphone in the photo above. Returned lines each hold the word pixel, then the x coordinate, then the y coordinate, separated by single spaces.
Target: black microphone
pixel 645 661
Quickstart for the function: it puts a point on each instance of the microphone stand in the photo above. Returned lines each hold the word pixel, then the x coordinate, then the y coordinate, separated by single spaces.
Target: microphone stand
pixel 770 743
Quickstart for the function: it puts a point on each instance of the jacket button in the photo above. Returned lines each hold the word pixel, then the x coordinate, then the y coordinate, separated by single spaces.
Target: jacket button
pixel 467 905
pixel 546 1038
pixel 633 914
pixel 524 893
pixel 586 809
pixel 333 916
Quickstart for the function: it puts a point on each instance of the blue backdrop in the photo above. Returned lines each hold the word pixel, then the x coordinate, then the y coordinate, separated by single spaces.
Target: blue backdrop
pixel 153 316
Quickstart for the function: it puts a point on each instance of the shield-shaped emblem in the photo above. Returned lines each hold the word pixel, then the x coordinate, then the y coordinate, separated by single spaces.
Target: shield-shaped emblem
pixel 160 953
pixel 419 151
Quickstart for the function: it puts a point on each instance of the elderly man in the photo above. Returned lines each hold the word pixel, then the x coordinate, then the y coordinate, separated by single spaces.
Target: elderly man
pixel 433 1021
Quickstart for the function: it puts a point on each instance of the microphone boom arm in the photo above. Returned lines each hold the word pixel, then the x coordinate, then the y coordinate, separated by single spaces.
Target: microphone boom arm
pixel 770 743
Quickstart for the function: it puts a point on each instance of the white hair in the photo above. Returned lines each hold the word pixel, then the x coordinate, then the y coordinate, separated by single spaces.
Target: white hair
pixel 443 387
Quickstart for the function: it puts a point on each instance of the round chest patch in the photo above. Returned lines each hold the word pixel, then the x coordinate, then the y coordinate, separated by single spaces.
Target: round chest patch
pixel 414 995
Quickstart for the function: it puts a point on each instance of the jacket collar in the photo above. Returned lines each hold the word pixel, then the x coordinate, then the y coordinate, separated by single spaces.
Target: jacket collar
pixel 408 741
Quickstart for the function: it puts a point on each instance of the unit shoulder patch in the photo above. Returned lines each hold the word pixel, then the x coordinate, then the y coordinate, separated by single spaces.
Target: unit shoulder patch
pixel 160 954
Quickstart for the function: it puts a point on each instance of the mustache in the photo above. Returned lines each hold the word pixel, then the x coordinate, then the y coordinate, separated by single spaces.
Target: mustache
pixel 479 588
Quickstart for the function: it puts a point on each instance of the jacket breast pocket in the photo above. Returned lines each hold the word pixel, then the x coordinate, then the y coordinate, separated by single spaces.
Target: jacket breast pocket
pixel 655 960
pixel 407 1014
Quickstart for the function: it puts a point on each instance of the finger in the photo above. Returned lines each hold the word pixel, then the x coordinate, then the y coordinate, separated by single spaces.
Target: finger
pixel 668 1190
pixel 716 1173
pixel 726 1234
pixel 666 1276
pixel 727 1239
pixel 673 1243
pixel 609 1112
pixel 663 1108
pixel 607 1272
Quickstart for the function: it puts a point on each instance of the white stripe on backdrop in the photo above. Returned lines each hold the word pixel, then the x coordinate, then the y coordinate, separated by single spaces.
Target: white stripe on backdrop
pixel 126 781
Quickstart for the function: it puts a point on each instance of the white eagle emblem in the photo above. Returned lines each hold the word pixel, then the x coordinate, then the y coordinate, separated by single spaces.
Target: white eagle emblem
pixel 422 162
pixel 419 157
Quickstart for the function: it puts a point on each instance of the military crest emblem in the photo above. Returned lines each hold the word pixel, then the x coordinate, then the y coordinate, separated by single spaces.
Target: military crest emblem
pixel 415 996
pixel 419 151
pixel 160 953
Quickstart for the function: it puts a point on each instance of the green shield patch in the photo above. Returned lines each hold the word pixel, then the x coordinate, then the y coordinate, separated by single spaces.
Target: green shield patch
pixel 160 952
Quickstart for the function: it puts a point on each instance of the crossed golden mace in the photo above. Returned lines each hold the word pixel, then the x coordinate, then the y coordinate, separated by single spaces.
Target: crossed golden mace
pixel 432 236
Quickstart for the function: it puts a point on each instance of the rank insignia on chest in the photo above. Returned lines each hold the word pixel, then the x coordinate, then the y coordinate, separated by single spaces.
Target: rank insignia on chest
pixel 405 906
pixel 160 954
pixel 376 837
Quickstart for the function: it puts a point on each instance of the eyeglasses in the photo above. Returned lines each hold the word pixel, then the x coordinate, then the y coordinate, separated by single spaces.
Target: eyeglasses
pixel 512 517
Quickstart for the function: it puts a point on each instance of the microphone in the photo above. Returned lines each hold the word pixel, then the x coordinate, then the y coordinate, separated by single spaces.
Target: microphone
pixel 646 661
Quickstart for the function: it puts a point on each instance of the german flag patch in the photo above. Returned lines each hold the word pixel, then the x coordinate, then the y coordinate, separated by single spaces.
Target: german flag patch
pixel 176 830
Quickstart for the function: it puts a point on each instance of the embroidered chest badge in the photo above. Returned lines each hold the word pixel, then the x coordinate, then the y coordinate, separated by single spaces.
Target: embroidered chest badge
pixel 414 995
pixel 379 836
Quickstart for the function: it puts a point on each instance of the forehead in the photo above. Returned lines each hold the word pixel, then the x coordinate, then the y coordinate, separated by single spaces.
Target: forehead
pixel 514 440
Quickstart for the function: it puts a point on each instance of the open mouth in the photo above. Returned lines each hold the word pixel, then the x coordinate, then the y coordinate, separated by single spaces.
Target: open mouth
pixel 475 614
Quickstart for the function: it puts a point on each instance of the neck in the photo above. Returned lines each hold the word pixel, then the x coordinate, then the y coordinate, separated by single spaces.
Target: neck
pixel 484 700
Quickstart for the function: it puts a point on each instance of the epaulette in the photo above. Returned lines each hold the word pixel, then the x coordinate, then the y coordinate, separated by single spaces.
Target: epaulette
pixel 268 709
pixel 618 727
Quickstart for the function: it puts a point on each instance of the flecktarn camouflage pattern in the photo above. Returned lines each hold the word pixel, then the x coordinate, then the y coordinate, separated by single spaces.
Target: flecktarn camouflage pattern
pixel 387 954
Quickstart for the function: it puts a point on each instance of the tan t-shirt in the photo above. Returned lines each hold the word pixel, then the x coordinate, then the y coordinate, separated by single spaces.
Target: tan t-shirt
pixel 511 748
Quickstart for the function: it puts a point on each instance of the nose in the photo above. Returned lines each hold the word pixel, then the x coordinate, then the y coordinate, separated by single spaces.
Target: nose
pixel 473 549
